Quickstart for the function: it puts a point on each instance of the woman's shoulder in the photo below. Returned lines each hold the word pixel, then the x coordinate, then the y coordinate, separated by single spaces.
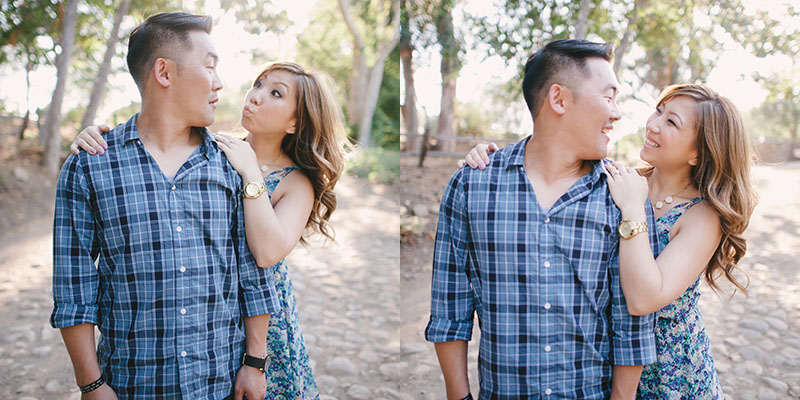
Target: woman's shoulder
pixel 701 216
pixel 293 179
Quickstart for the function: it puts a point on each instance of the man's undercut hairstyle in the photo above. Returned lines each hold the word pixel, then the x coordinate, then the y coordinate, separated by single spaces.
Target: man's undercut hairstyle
pixel 560 61
pixel 162 35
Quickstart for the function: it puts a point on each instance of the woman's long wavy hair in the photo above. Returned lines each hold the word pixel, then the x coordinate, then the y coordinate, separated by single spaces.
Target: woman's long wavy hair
pixel 319 139
pixel 722 175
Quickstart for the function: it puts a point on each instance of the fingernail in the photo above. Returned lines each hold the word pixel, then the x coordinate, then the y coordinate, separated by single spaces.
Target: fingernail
pixel 482 165
pixel 100 152
pixel 105 147
pixel 91 151
pixel 75 152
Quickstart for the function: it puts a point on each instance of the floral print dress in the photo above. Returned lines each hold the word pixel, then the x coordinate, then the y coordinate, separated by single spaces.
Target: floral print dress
pixel 289 374
pixel 685 368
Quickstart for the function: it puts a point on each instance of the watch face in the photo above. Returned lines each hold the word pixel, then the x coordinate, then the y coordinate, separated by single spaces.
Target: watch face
pixel 625 229
pixel 251 189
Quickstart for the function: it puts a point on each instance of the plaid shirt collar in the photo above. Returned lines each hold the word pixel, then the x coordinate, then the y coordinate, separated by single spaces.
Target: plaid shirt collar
pixel 516 158
pixel 130 133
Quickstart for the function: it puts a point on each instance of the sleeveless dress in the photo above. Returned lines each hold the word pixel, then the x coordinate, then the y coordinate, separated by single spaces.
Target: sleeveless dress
pixel 289 374
pixel 685 368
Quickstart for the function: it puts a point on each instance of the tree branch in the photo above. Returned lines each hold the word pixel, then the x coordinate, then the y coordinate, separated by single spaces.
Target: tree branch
pixel 351 25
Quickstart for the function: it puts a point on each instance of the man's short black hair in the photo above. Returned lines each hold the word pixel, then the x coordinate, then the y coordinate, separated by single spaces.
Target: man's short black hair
pixel 558 59
pixel 162 35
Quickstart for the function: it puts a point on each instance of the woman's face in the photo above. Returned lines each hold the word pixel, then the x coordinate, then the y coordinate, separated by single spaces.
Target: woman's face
pixel 671 134
pixel 269 106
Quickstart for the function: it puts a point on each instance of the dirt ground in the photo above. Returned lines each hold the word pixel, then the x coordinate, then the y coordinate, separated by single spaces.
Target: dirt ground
pixel 755 340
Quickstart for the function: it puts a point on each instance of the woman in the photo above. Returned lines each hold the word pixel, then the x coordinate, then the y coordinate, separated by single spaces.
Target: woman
pixel 294 146
pixel 699 183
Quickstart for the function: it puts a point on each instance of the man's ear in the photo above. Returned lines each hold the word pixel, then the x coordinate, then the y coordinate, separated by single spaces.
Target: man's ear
pixel 556 98
pixel 162 72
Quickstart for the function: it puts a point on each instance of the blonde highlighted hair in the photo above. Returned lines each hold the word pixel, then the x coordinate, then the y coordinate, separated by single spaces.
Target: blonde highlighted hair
pixel 317 146
pixel 722 175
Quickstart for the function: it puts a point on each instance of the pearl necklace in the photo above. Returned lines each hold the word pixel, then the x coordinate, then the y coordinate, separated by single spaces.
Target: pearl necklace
pixel 670 199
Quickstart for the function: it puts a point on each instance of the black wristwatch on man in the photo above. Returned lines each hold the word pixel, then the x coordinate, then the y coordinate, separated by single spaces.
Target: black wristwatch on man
pixel 255 362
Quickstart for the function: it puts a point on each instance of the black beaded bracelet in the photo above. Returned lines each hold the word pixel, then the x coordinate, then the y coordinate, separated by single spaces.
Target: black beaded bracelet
pixel 92 386
pixel 467 397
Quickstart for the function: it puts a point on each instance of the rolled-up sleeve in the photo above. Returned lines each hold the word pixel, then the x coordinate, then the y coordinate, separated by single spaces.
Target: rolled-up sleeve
pixel 75 248
pixel 633 341
pixel 257 286
pixel 452 302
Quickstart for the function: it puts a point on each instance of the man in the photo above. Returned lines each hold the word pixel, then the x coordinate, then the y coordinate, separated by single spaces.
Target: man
pixel 149 240
pixel 530 244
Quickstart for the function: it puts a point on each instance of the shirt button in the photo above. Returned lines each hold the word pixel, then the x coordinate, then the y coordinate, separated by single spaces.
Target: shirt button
pixel 183 354
pixel 179 229
pixel 183 311
pixel 547 348
pixel 548 391
pixel 547 264
pixel 183 269
pixel 547 220
pixel 173 187
pixel 546 306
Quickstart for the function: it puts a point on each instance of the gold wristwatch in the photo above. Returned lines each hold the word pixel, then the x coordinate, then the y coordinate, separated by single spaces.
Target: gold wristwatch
pixel 628 229
pixel 253 189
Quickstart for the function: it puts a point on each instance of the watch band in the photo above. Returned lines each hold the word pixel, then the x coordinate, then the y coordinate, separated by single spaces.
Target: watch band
pixel 255 362
pixel 92 386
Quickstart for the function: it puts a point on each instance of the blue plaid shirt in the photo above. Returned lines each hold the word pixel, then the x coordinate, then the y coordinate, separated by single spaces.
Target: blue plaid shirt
pixel 545 284
pixel 161 267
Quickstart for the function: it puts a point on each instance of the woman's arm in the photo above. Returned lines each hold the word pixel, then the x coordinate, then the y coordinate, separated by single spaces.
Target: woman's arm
pixel 272 229
pixel 650 284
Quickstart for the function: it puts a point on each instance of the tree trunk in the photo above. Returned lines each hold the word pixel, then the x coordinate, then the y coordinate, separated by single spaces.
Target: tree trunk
pixel 52 149
pixel 364 98
pixel 583 20
pixel 27 118
pixel 99 87
pixel 409 108
pixel 449 68
pixel 627 37
pixel 371 101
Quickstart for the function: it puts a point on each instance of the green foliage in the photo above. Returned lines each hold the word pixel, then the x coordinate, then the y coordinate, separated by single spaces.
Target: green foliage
pixel 779 114
pixel 257 16
pixel 376 164
pixel 22 24
pixel 672 45
pixel 326 44
pixel 386 122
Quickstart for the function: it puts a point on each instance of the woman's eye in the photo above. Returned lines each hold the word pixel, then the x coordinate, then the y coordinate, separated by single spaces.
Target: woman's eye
pixel 257 84
pixel 672 122
pixel 276 93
